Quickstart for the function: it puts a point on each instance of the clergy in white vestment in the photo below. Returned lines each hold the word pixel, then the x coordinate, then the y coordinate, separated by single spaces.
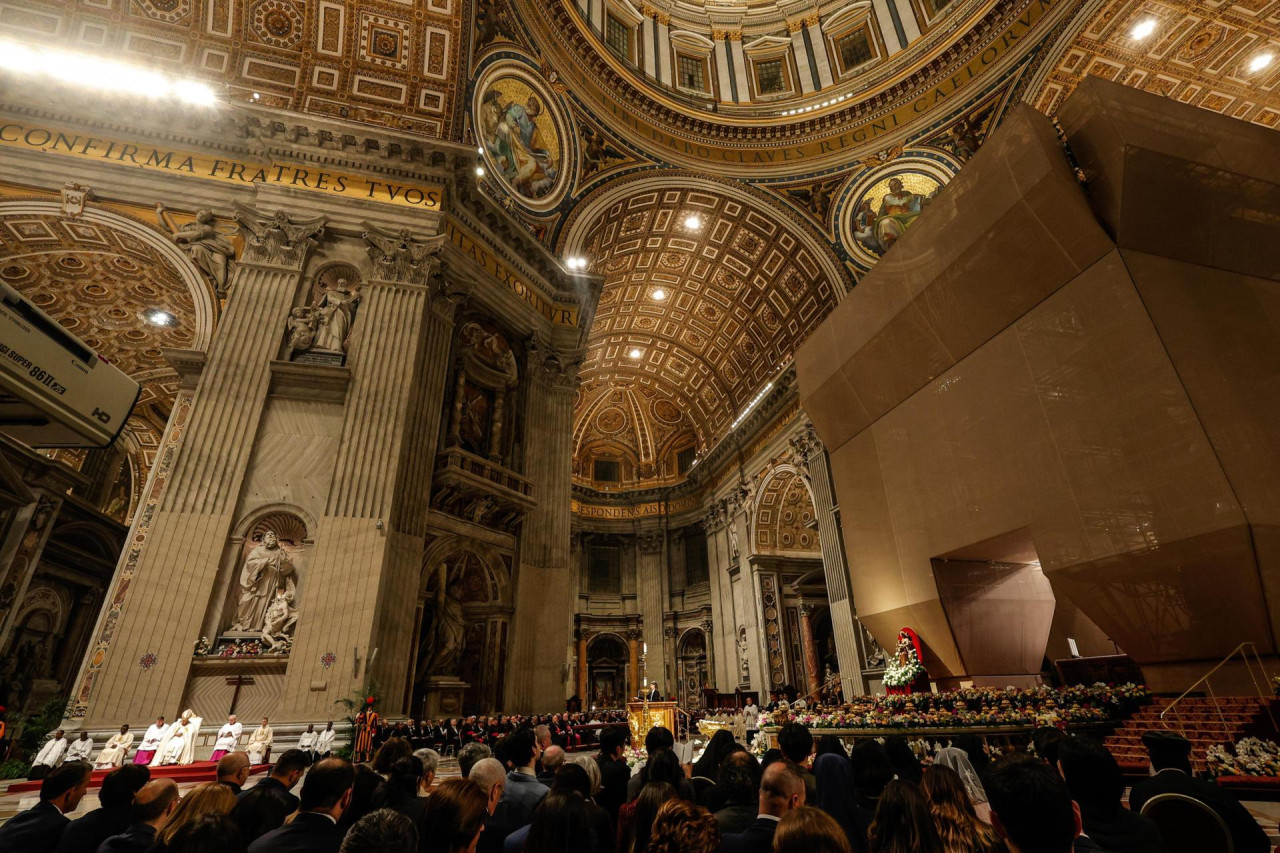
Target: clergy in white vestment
pixel 117 748
pixel 228 738
pixel 259 747
pixel 324 743
pixel 307 742
pixel 81 748
pixel 150 742
pixel 179 743
pixel 49 756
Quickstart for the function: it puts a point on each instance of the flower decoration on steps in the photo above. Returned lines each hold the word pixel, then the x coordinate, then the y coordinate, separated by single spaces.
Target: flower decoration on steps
pixel 905 667
pixel 1250 757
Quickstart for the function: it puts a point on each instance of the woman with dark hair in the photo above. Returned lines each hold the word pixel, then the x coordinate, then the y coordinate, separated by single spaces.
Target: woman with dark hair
pixel 664 766
pixel 831 745
pixel 560 825
pixel 958 824
pixel 708 765
pixel 835 797
pixel 595 833
pixel 389 753
pixel 635 819
pixel 871 772
pixel 210 833
pixel 400 791
pixel 903 823
pixel 258 811
pixel 735 798
pixel 454 818
pixel 361 795
pixel 809 830
pixel 682 827
pixel 904 761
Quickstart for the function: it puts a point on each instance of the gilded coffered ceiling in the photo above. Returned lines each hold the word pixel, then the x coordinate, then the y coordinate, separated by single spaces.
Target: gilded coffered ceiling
pixel 636 425
pixel 707 291
pixel 785 518
pixel 1199 53
pixel 389 63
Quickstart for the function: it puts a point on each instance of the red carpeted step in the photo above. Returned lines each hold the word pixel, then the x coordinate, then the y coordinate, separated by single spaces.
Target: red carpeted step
pixel 200 771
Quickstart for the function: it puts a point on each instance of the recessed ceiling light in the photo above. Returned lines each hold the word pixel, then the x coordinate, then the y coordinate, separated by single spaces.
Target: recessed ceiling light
pixel 659 294
pixel 256 96
pixel 1143 28
pixel 480 150
pixel 1260 62
pixel 693 222
pixel 635 353
pixel 160 317
pixel 479 171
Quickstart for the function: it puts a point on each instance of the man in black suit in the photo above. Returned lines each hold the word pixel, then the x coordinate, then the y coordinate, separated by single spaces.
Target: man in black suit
pixel 284 775
pixel 1171 762
pixel 83 835
pixel 233 770
pixel 614 772
pixel 1095 783
pixel 40 828
pixel 654 694
pixel 151 808
pixel 796 743
pixel 781 790
pixel 1031 808
pixel 326 793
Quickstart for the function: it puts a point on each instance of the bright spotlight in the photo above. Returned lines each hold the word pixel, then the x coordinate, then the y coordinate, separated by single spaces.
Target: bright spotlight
pixel 97 72
pixel 659 294
pixel 1260 62
pixel 635 353
pixel 1143 28
pixel 693 222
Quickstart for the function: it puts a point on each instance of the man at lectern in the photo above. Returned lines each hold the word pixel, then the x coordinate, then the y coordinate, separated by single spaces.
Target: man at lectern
pixel 653 694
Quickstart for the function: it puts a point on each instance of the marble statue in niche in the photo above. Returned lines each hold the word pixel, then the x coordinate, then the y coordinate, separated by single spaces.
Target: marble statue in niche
pixel 207 247
pixel 442 647
pixel 320 333
pixel 744 660
pixel 266 577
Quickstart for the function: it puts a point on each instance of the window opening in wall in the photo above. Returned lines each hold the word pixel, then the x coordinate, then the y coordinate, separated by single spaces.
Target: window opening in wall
pixel 691 74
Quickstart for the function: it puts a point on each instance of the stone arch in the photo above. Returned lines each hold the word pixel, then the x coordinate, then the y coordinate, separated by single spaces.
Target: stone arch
pixel 772 528
pixel 607 662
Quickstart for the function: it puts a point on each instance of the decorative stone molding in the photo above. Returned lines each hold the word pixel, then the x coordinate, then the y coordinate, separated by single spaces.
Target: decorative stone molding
pixel 278 240
pixel 649 541
pixel 401 256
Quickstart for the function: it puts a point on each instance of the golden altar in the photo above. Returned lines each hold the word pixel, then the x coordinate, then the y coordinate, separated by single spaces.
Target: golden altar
pixel 643 716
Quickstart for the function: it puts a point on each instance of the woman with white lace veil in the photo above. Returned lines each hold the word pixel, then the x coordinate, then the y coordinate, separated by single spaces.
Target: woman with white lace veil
pixel 958 760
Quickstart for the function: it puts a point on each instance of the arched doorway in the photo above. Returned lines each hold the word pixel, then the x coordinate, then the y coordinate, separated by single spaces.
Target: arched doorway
pixel 607 660
pixel 691 666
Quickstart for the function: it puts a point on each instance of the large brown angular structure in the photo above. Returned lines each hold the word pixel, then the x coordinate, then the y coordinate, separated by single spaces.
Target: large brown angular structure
pixel 1051 408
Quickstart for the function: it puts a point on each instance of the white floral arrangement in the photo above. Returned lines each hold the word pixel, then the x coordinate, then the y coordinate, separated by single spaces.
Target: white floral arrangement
pixel 1250 757
pixel 905 667
pixel 635 756
pixel 760 744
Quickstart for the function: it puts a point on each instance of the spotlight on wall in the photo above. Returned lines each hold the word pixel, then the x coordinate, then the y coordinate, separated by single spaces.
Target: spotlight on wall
pixel 635 353
pixel 160 317
pixel 1260 62
pixel 1143 28
pixel 97 72
pixel 575 262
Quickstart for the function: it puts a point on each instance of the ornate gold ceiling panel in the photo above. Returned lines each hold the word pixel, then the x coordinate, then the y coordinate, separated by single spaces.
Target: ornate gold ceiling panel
pixel 389 63
pixel 640 427
pixel 785 518
pixel 706 314
pixel 99 283
pixel 1199 53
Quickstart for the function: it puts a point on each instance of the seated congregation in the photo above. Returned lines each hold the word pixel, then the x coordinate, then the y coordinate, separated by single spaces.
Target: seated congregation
pixel 526 794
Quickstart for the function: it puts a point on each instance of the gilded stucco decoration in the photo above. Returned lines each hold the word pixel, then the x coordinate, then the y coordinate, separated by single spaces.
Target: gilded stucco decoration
pixel 637 425
pixel 785 518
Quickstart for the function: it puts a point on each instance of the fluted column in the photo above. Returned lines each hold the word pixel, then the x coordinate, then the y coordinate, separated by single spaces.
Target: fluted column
pixel 650 588
pixel 178 564
pixel 724 637
pixel 633 663
pixel 24 546
pixel 813 677
pixel 541 646
pixel 583 636
pixel 361 586
pixel 811 460
pixel 707 628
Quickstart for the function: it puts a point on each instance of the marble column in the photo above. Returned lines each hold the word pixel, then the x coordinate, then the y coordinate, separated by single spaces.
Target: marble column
pixel 178 564
pixel 723 638
pixel 633 663
pixel 25 545
pixel 804 71
pixel 648 50
pixel 811 672
pixel 651 588
pixel 361 587
pixel 583 637
pixel 541 647
pixel 811 460
pixel 817 43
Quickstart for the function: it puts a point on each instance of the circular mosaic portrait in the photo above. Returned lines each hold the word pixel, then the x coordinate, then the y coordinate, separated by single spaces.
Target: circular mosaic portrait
pixel 885 204
pixel 519 126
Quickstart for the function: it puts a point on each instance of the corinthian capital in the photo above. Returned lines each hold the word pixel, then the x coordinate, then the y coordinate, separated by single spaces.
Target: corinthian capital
pixel 279 239
pixel 401 256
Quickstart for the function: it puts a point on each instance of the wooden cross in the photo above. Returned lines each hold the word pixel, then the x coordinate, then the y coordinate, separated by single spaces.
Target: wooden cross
pixel 238 682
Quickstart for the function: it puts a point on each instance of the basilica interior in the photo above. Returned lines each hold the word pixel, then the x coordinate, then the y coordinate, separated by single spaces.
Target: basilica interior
pixel 503 356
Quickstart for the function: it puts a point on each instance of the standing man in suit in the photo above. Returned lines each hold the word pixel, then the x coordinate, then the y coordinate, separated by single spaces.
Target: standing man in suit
pixel 39 828
pixel 1170 755
pixel 326 793
pixel 522 795
pixel 781 790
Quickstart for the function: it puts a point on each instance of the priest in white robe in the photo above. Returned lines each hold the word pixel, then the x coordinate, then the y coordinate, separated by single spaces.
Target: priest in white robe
pixel 228 738
pixel 259 747
pixel 179 743
pixel 307 742
pixel 324 743
pixel 49 756
pixel 150 742
pixel 114 752
pixel 80 749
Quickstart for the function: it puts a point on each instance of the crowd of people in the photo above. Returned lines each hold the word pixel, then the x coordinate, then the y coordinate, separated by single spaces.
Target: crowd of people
pixel 525 793
pixel 568 730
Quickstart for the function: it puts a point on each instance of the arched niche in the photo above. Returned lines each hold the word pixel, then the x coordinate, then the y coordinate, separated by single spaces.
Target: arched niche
pixel 462 622
pixel 486 376
pixel 785 520
pixel 608 657
pixel 691 666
